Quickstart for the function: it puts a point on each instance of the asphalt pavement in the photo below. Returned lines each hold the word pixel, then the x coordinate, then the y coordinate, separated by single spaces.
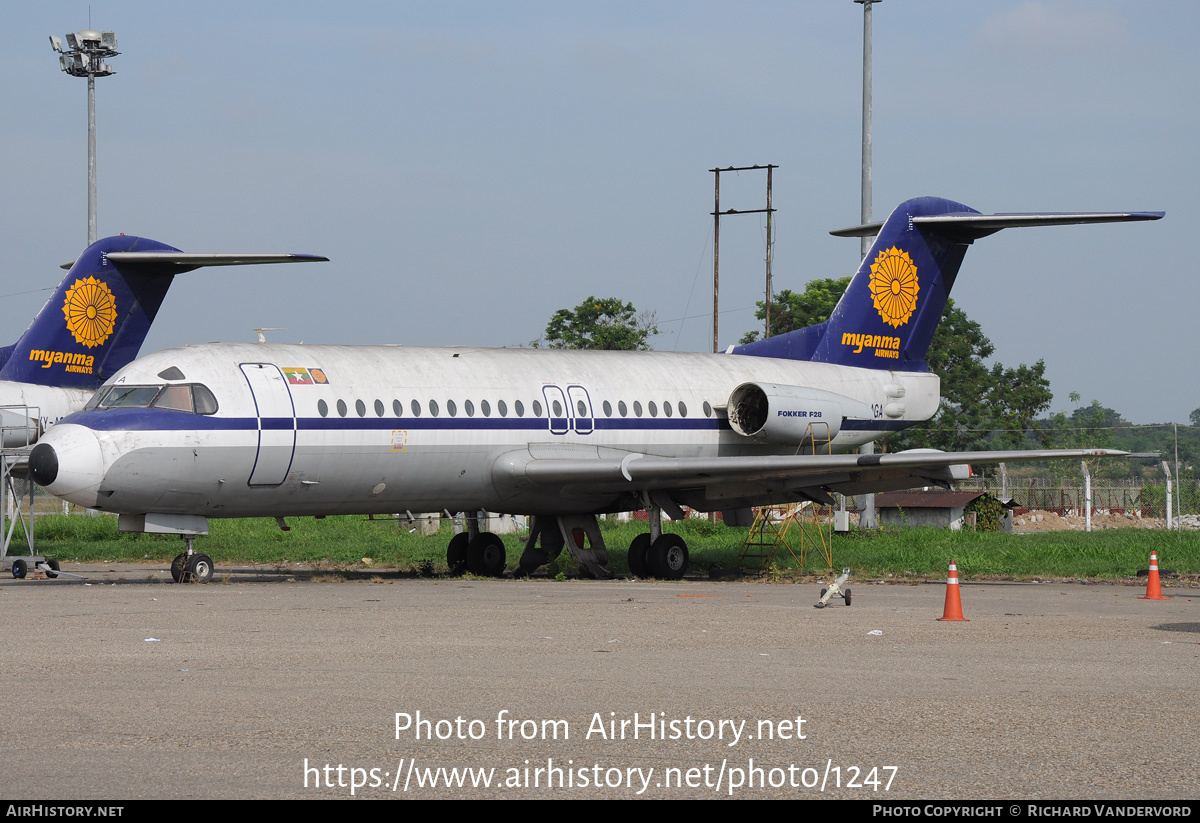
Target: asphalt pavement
pixel 269 684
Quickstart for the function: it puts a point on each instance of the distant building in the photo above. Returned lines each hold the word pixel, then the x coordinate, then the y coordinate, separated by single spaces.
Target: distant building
pixel 933 509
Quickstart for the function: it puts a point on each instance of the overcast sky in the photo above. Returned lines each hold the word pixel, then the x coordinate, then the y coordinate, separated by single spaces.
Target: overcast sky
pixel 470 167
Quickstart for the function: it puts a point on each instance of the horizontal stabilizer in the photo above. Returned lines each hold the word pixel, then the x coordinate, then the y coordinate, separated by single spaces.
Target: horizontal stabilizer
pixel 178 262
pixel 970 225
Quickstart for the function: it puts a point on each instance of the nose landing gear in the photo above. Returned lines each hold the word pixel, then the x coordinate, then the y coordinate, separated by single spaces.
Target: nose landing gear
pixel 191 567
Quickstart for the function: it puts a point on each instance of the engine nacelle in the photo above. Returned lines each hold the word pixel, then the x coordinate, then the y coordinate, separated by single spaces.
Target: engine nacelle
pixel 17 429
pixel 795 415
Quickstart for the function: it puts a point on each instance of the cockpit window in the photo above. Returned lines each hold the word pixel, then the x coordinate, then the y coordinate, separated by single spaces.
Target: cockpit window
pixel 129 397
pixel 205 400
pixel 192 398
pixel 178 398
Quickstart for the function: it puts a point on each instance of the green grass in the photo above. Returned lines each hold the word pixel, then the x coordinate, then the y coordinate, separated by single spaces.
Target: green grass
pixel 917 553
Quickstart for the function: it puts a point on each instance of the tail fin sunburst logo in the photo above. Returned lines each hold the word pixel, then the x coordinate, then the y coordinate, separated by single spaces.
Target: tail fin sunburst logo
pixel 894 286
pixel 91 312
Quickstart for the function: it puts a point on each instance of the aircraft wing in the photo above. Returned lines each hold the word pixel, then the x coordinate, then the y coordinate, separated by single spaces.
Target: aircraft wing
pixel 708 483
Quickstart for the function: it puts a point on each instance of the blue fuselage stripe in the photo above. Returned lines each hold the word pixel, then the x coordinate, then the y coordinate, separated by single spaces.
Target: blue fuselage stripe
pixel 164 420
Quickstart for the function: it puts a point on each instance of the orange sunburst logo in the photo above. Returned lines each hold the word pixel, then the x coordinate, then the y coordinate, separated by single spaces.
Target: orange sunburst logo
pixel 894 286
pixel 91 312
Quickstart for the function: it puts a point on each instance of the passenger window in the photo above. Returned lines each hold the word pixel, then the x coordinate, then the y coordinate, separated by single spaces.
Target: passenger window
pixel 622 408
pixel 486 408
pixel 379 408
pixel 502 407
pixel 607 409
pixel 361 408
pixel 322 408
pixel 416 408
pixel 433 408
pixel 537 408
pixel 637 408
pixel 653 409
pixel 667 408
pixel 519 408
pixel 469 408
pixel 557 409
pixel 451 409
pixel 682 409
pixel 341 407
pixel 707 409
pixel 397 408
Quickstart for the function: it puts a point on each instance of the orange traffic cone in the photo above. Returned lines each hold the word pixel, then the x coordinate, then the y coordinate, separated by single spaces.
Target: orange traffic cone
pixel 1153 589
pixel 953 610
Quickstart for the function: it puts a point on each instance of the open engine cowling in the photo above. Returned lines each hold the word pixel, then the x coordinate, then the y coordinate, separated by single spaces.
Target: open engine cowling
pixel 791 414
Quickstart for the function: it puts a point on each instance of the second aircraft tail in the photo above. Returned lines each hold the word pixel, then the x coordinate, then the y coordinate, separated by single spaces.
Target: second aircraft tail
pixel 887 317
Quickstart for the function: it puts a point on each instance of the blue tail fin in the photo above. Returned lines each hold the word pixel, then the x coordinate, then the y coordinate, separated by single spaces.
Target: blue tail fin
pixel 95 322
pixel 887 317
pixel 98 317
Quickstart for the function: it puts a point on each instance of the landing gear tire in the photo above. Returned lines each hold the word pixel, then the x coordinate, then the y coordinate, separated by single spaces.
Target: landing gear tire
pixel 200 568
pixel 53 568
pixel 486 555
pixel 847 597
pixel 552 540
pixel 456 554
pixel 638 550
pixel 177 567
pixel 823 592
pixel 19 569
pixel 668 557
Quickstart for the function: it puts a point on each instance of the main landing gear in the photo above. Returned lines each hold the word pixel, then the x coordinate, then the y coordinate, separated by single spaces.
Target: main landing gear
pixel 191 567
pixel 664 556
pixel 480 553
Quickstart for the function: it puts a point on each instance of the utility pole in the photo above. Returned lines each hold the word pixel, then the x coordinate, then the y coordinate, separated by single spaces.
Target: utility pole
pixel 85 57
pixel 716 214
pixel 867 517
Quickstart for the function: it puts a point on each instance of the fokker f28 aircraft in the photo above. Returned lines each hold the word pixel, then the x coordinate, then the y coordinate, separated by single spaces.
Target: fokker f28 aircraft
pixel 241 430
pixel 91 327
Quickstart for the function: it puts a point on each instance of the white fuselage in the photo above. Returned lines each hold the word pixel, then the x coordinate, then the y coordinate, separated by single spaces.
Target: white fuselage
pixel 314 430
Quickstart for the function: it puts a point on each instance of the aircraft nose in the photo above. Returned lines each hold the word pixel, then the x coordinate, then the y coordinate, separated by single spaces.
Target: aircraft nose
pixel 43 464
pixel 68 462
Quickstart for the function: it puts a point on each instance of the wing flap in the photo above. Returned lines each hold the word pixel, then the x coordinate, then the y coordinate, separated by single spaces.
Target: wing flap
pixel 648 472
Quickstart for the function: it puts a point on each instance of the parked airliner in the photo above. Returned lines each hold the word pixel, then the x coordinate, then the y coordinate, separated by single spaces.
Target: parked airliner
pixel 91 327
pixel 240 430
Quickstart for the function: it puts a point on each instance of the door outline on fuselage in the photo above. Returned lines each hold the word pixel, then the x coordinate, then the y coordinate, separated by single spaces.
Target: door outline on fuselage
pixel 569 420
pixel 273 403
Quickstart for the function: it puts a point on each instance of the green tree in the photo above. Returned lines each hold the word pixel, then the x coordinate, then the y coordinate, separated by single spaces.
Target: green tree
pixel 982 407
pixel 791 311
pixel 1195 416
pixel 600 323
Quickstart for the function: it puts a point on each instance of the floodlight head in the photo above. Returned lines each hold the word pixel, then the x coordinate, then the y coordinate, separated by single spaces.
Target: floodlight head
pixel 89 38
pixel 72 41
pixel 108 39
pixel 55 43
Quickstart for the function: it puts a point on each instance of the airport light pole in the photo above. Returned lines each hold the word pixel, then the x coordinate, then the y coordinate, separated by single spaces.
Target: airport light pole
pixel 85 56
pixel 867 515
